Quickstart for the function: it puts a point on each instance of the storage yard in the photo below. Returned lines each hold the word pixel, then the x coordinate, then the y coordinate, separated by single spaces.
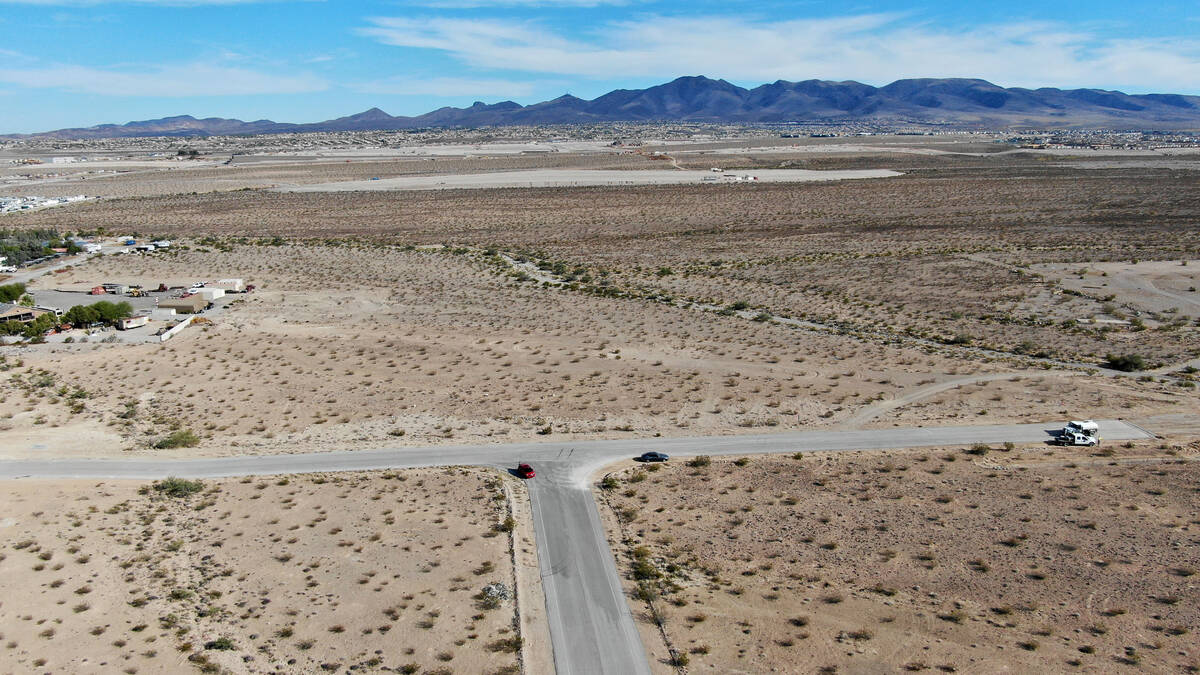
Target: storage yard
pixel 155 310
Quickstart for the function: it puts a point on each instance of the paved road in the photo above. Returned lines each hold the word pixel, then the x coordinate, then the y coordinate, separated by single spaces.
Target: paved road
pixel 591 626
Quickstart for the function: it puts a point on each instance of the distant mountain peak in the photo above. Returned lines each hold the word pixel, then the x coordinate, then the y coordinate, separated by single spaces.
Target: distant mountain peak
pixel 372 114
pixel 951 102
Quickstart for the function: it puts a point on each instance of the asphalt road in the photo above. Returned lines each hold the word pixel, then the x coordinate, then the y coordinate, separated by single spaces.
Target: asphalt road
pixel 591 626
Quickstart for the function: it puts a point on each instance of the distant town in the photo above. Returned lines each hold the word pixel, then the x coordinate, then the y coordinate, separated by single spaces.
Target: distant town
pixel 171 148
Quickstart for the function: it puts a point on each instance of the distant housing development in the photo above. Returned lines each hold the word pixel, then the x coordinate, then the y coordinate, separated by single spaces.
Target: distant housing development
pixel 15 204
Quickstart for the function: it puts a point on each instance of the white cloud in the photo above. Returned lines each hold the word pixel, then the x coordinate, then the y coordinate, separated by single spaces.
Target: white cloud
pixel 162 81
pixel 876 48
pixel 447 86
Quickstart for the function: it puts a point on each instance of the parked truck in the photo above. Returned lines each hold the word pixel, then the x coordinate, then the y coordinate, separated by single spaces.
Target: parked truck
pixel 1079 432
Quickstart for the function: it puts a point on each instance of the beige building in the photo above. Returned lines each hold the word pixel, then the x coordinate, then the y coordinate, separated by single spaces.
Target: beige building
pixel 193 304
pixel 11 312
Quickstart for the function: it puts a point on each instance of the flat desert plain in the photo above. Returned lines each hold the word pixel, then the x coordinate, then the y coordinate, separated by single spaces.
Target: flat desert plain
pixel 304 573
pixel 346 345
pixel 976 284
pixel 967 560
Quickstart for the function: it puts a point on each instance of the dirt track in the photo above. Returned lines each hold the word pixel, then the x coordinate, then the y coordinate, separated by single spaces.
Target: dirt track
pixel 541 178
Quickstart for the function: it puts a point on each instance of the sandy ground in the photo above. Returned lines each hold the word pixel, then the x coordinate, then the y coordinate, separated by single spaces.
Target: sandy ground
pixel 1029 560
pixel 1162 287
pixel 357 571
pixel 347 347
pixel 253 172
pixel 582 178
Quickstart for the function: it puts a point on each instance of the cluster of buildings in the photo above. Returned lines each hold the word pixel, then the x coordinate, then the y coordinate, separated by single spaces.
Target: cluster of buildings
pixel 1105 140
pixel 14 204
pixel 174 307
pixel 169 302
pixel 723 176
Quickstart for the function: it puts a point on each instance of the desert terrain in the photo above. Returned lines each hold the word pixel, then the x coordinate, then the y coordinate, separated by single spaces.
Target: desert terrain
pixel 975 284
pixel 942 559
pixel 951 293
pixel 352 345
pixel 285 573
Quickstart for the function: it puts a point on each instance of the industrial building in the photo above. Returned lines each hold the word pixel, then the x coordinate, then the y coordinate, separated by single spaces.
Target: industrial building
pixel 192 304
pixel 11 312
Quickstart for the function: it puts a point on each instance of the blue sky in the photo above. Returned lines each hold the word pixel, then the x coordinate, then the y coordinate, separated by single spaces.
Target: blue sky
pixel 83 62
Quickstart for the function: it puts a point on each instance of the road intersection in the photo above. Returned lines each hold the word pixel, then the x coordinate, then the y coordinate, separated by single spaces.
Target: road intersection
pixel 591 626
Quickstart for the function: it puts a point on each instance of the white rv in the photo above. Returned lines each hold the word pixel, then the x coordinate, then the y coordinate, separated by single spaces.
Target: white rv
pixel 1080 432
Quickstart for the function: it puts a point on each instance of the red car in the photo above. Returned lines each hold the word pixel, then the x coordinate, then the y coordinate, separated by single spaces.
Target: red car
pixel 525 471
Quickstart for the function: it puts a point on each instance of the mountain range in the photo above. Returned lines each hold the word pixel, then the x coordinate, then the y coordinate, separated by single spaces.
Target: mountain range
pixel 959 103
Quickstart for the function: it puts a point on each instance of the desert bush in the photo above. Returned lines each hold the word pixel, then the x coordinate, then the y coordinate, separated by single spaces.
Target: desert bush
pixel 184 438
pixel 178 487
pixel 510 645
pixel 223 644
pixel 644 569
pixel 1126 362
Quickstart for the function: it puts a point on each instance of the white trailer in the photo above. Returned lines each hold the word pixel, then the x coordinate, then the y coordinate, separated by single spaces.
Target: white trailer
pixel 209 293
pixel 1085 427
pixel 229 285
pixel 132 322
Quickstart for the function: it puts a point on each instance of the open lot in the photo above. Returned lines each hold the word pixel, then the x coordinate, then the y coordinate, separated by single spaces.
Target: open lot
pixel 951 290
pixel 584 178
pixel 346 346
pixel 278 574
pixel 947 559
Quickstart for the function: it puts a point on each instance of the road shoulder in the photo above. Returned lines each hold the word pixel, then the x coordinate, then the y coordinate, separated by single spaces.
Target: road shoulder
pixel 537 654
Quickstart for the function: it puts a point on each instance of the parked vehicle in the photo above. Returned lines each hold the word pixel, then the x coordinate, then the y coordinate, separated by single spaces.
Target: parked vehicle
pixel 653 457
pixel 1085 427
pixel 1079 432
pixel 1077 439
pixel 132 322
pixel 525 471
